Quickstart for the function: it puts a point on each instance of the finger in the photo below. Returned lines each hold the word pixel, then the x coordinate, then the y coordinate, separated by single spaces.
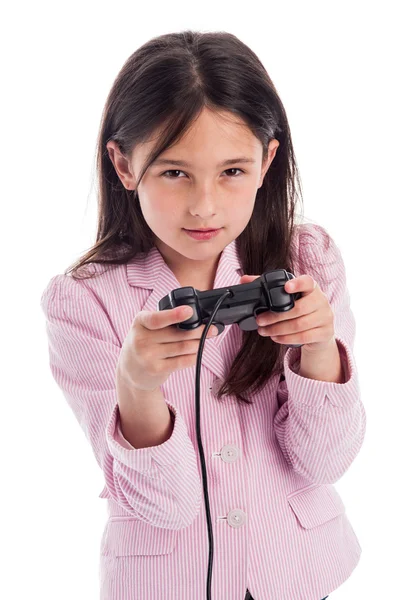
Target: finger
pixel 175 334
pixel 294 326
pixel 164 318
pixel 194 333
pixel 167 331
pixel 303 306
pixel 309 336
pixel 304 284
pixel 248 278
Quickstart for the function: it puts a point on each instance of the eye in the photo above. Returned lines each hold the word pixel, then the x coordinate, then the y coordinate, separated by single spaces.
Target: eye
pixel 178 171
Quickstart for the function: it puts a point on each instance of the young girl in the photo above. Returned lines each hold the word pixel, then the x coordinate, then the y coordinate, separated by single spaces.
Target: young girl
pixel 194 136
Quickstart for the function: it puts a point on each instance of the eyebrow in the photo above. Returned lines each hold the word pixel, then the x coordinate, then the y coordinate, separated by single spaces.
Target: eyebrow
pixel 183 163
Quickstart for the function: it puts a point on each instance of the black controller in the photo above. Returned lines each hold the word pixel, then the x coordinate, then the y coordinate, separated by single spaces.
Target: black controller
pixel 244 303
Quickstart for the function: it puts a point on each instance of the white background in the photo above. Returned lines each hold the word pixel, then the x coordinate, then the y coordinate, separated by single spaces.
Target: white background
pixel 335 70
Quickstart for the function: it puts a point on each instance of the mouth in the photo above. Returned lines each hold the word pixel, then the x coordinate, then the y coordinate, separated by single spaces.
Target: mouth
pixel 202 230
pixel 202 234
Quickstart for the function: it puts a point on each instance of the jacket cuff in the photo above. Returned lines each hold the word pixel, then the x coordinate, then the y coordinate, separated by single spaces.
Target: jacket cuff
pixel 312 392
pixel 140 459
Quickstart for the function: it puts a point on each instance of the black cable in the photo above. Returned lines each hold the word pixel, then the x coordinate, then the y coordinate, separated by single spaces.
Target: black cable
pixel 200 448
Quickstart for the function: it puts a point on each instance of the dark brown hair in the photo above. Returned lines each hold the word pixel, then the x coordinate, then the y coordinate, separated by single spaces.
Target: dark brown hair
pixel 167 82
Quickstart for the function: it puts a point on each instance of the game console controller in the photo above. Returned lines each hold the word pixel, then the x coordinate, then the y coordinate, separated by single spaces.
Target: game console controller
pixel 244 303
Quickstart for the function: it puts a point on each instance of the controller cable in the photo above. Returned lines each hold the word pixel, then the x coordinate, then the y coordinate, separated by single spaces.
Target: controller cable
pixel 200 448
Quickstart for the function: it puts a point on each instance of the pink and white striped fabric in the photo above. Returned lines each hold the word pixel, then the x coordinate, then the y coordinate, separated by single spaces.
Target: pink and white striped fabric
pixel 280 528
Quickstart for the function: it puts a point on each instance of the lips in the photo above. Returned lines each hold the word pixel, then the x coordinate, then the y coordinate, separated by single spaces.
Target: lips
pixel 202 235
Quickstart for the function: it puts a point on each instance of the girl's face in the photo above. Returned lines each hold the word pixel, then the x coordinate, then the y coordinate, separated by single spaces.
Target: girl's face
pixel 201 194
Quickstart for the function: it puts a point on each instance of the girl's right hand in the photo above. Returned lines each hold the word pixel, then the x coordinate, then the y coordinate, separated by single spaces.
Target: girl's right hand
pixel 155 347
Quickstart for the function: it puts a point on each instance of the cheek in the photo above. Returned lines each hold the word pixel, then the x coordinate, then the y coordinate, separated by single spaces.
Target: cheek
pixel 242 204
pixel 164 199
pixel 162 212
pixel 158 203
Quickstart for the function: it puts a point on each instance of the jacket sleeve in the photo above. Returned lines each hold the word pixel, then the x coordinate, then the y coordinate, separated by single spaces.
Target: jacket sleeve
pixel 159 485
pixel 320 425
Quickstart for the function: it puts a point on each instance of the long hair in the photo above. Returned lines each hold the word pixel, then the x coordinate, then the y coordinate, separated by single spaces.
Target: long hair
pixel 167 82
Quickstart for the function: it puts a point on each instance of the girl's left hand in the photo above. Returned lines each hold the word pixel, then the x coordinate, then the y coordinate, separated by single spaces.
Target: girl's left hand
pixel 310 322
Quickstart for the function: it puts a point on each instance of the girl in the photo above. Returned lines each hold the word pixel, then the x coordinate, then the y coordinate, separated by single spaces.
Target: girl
pixel 194 136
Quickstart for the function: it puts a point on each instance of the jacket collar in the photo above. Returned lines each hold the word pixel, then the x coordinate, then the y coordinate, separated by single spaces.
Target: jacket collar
pixel 152 273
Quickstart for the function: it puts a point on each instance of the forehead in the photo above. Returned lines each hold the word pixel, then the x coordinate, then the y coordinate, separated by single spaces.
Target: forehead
pixel 220 137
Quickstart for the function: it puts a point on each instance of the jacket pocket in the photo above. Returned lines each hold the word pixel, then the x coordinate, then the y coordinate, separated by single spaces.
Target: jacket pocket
pixel 133 537
pixel 316 505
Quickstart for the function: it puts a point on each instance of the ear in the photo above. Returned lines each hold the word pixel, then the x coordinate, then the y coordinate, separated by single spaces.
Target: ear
pixel 121 165
pixel 272 149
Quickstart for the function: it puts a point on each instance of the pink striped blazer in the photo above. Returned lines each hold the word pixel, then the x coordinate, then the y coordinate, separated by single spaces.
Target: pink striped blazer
pixel 280 527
